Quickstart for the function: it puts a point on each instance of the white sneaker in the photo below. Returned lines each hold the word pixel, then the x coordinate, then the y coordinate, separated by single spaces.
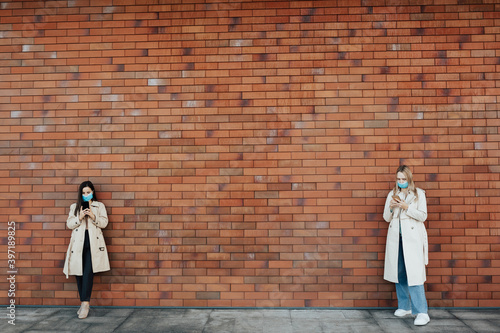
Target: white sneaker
pixel 422 319
pixel 402 313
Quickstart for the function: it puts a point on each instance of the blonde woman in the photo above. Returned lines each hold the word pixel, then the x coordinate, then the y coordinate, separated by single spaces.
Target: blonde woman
pixel 406 251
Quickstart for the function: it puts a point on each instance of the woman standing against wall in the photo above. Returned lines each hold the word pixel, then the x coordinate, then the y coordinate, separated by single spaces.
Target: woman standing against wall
pixel 406 252
pixel 87 253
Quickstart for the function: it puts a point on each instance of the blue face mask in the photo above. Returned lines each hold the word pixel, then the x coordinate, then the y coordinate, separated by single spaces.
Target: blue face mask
pixel 404 185
pixel 87 197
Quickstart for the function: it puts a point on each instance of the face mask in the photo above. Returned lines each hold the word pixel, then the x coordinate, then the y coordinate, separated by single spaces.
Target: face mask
pixel 87 197
pixel 404 185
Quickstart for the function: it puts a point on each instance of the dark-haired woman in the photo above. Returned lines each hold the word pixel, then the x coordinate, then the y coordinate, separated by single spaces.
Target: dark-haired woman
pixel 87 253
pixel 406 251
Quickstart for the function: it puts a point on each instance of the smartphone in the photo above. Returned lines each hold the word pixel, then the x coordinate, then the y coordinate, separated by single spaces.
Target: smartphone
pixel 396 198
pixel 85 205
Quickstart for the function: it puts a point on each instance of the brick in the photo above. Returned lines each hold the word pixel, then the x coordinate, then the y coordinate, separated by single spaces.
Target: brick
pixel 251 152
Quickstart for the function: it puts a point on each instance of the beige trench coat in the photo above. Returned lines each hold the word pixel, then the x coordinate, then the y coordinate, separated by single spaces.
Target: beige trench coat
pixel 415 244
pixel 99 253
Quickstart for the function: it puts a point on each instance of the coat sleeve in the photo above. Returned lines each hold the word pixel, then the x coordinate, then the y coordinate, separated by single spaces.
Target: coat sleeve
pixel 418 210
pixel 387 209
pixel 73 221
pixel 101 218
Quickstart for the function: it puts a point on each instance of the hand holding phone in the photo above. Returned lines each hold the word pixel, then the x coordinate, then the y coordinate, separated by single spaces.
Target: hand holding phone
pixel 395 202
pixel 85 211
pixel 398 202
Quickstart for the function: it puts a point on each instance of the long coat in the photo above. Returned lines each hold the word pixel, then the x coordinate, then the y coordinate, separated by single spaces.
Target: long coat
pixel 99 253
pixel 414 235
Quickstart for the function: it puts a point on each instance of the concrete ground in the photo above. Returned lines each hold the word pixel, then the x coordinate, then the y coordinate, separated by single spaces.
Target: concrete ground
pixel 252 320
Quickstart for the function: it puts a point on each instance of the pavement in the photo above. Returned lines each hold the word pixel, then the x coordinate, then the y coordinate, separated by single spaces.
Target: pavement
pixel 252 320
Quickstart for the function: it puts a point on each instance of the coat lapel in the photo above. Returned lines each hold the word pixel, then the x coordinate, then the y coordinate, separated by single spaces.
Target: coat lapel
pixel 410 197
pixel 408 200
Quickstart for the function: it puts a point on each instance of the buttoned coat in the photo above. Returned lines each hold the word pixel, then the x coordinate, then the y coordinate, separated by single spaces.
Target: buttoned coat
pixel 414 235
pixel 100 261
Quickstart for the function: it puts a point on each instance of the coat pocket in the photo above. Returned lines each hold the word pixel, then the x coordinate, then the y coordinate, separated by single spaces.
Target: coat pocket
pixel 101 244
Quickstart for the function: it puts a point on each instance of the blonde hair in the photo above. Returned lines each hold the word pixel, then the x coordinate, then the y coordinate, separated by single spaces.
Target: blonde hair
pixel 409 178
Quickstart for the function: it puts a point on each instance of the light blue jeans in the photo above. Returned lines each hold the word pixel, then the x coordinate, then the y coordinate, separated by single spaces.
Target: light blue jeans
pixel 413 296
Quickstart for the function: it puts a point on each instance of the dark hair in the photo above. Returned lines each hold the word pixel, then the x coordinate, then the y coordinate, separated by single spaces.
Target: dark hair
pixel 79 201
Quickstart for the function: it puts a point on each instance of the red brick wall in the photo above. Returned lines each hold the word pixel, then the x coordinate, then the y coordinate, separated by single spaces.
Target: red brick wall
pixel 244 149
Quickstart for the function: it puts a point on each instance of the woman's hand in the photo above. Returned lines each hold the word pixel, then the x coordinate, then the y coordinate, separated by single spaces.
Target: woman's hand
pixel 398 204
pixel 393 204
pixel 89 213
pixel 86 212
pixel 402 204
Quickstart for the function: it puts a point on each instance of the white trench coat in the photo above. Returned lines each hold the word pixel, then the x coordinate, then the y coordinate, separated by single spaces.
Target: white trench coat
pixel 100 261
pixel 414 235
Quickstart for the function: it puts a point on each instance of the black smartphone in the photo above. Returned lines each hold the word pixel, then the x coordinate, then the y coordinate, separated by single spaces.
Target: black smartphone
pixel 85 205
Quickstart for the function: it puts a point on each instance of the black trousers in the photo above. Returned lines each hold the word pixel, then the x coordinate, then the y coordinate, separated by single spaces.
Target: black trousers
pixel 86 281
